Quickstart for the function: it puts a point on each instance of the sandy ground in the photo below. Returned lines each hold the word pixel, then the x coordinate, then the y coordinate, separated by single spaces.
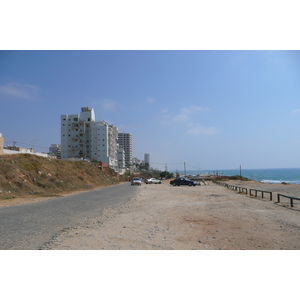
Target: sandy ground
pixel 208 217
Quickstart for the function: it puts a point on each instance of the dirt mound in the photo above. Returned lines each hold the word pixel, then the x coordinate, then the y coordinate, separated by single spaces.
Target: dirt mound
pixel 27 175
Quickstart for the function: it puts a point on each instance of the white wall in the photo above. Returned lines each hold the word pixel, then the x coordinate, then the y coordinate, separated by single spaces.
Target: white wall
pixel 24 151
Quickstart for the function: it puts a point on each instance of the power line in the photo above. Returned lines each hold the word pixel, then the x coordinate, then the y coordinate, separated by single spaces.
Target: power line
pixel 167 163
pixel 192 166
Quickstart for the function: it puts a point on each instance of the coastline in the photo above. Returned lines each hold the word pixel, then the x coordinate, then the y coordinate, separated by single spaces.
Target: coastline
pixel 273 176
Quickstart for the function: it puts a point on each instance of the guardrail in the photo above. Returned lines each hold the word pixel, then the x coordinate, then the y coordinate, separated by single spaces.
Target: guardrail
pixel 262 193
pixel 233 187
pixel 244 190
pixel 289 197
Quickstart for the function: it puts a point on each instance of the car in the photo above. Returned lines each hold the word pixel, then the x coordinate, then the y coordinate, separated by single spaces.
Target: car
pixel 153 180
pixel 183 181
pixel 136 181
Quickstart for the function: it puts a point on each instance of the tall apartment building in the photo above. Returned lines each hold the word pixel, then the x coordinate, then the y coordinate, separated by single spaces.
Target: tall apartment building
pixel 83 137
pixel 121 159
pixel 125 140
pixel 104 143
pixel 147 158
pixel 75 134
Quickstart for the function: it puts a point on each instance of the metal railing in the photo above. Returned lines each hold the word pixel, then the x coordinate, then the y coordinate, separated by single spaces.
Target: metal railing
pixel 262 193
pixel 233 187
pixel 244 190
pixel 289 197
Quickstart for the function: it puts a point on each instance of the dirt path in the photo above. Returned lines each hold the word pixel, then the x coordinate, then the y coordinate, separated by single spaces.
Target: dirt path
pixel 186 218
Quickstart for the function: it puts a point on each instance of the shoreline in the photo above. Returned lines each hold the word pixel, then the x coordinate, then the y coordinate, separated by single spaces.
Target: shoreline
pixel 271 175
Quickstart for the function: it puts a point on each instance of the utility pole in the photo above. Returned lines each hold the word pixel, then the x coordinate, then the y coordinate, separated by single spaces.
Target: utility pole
pixel 184 169
pixel 240 170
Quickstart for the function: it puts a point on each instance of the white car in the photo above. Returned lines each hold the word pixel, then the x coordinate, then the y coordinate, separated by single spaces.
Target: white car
pixel 136 181
pixel 154 180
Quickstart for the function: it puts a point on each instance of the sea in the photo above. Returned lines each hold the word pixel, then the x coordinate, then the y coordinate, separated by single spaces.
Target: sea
pixel 291 176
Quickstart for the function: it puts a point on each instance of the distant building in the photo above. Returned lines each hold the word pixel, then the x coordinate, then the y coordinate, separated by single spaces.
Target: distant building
pixel 136 161
pixel 18 150
pixel 147 158
pixel 125 140
pixel 121 159
pixel 55 150
pixel 84 138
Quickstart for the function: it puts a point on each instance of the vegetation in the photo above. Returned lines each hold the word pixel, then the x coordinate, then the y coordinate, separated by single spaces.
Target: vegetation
pixel 26 174
pixel 142 167
pixel 166 175
pixel 234 177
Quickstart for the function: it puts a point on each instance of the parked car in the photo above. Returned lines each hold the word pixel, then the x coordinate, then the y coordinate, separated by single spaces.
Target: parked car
pixel 153 180
pixel 183 181
pixel 136 181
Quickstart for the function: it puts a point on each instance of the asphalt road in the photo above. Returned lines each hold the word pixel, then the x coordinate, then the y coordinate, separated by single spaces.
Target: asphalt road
pixel 31 226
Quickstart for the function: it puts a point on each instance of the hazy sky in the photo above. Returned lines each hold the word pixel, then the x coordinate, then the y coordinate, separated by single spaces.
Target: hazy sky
pixel 210 109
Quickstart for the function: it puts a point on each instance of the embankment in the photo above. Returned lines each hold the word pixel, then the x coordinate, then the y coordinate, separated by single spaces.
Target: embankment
pixel 25 175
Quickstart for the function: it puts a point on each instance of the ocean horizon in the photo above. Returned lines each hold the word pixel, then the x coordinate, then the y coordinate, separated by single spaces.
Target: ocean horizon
pixel 279 175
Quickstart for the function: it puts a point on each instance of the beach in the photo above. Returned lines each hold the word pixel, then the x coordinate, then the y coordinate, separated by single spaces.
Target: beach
pixel 206 217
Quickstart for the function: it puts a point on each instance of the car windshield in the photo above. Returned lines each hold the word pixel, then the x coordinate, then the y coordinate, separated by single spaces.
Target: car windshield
pixel 136 179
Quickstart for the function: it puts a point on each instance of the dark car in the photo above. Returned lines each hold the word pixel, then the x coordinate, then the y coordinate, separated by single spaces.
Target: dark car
pixel 183 181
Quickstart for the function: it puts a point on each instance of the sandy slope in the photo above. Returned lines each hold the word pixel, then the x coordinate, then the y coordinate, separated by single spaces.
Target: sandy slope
pixel 201 217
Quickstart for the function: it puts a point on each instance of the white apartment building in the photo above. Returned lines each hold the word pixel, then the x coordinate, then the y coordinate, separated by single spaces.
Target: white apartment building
pixel 125 140
pixel 83 137
pixel 121 159
pixel 75 134
pixel 104 143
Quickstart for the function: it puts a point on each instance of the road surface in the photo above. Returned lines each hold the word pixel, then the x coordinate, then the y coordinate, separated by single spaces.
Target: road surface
pixel 32 226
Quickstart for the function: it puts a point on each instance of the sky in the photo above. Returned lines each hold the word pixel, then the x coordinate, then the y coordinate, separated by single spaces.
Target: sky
pixel 209 109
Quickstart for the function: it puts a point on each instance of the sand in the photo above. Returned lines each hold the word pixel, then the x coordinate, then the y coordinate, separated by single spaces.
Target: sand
pixel 207 217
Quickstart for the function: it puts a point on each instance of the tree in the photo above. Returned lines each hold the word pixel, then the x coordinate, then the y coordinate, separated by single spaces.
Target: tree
pixel 166 175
